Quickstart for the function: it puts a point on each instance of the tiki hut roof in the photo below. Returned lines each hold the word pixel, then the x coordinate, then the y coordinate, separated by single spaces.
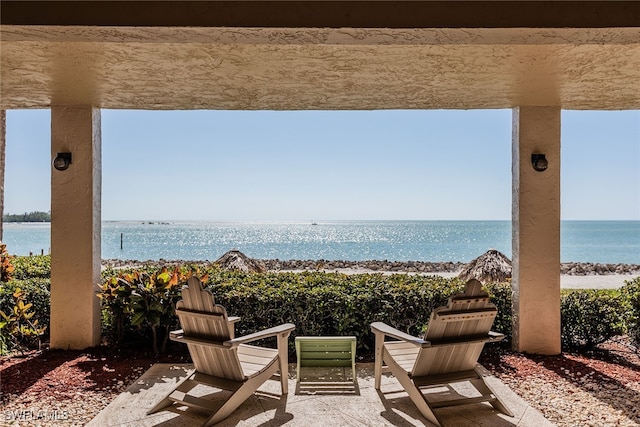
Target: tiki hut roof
pixel 492 266
pixel 236 260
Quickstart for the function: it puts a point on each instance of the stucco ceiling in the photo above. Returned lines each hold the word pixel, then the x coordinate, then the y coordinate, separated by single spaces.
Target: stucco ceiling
pixel 318 68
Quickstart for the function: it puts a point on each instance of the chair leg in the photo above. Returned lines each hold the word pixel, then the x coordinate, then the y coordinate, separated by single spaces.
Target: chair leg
pixel 481 385
pixel 283 355
pixel 167 401
pixel 414 392
pixel 418 399
pixel 353 361
pixel 239 396
pixel 377 366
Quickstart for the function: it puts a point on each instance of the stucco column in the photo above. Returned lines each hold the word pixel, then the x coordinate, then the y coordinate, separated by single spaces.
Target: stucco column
pixel 3 150
pixel 75 228
pixel 536 231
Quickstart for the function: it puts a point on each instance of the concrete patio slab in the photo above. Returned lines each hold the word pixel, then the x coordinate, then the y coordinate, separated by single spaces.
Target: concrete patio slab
pixel 324 397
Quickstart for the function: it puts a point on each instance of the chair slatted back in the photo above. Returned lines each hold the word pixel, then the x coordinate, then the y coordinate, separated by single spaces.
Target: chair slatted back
pixel 469 315
pixel 325 351
pixel 200 317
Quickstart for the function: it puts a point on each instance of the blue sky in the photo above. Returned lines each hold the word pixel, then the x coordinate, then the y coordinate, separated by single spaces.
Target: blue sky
pixel 324 165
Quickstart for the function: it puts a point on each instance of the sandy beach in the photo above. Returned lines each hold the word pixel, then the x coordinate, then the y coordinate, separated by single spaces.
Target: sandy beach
pixel 595 282
pixel 567 281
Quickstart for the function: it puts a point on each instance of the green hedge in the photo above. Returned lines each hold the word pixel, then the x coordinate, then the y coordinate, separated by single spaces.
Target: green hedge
pixel 590 317
pixel 501 296
pixel 335 304
pixel 31 274
pixel 631 292
pixel 37 293
pixel 331 303
pixel 29 267
pixel 16 332
pixel 317 303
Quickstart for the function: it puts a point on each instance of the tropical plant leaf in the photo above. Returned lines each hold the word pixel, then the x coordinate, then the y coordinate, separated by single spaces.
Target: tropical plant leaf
pixel 138 318
pixel 174 279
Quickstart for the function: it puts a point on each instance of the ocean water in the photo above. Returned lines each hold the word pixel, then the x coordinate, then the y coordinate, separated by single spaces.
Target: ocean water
pixel 581 241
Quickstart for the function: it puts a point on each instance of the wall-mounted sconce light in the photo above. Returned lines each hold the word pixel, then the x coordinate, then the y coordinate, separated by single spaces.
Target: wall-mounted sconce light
pixel 62 161
pixel 539 162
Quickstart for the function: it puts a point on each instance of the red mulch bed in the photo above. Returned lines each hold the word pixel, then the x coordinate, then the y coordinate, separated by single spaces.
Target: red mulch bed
pixel 64 373
pixel 614 360
pixel 596 388
pixel 97 375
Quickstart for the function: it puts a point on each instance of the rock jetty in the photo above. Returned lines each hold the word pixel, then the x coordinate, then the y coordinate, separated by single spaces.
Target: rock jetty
pixel 591 269
pixel 567 268
pixel 372 265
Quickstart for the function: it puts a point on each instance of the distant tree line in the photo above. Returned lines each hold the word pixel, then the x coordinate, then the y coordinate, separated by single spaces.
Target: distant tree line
pixel 28 217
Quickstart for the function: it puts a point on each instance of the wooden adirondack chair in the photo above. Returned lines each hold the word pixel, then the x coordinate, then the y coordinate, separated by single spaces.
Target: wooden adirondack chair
pixel 221 360
pixel 448 353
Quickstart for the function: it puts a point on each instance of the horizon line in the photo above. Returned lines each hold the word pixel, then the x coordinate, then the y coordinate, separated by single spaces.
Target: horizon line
pixel 319 221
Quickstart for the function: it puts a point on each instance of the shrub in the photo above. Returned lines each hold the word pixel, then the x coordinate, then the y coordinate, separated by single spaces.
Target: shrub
pixel 24 302
pixel 330 303
pixel 501 295
pixel 142 300
pixel 590 317
pixel 317 303
pixel 139 304
pixel 6 265
pixel 631 291
pixel 35 291
pixel 29 267
pixel 18 328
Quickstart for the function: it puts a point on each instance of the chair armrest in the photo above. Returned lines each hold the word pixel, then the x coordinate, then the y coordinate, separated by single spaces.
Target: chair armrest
pixel 232 326
pixel 454 341
pixel 179 337
pixel 176 333
pixel 386 330
pixel 496 336
pixel 285 328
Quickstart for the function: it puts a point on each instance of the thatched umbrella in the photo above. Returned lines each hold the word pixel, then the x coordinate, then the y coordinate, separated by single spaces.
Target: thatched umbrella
pixel 236 260
pixel 492 266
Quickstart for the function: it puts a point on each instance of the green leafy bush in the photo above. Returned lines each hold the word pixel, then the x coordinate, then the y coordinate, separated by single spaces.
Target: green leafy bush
pixel 501 295
pixel 24 304
pixel 18 329
pixel 29 267
pixel 590 317
pixel 142 300
pixel 36 291
pixel 6 264
pixel 631 291
pixel 139 304
pixel 317 303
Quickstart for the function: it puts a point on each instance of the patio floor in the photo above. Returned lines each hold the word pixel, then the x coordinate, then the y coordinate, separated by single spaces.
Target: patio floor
pixel 324 398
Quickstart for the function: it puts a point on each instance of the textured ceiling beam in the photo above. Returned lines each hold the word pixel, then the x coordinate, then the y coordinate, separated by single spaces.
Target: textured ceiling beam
pixel 326 14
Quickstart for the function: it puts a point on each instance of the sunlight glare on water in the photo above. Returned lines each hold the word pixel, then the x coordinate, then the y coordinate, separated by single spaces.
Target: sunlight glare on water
pixel 582 241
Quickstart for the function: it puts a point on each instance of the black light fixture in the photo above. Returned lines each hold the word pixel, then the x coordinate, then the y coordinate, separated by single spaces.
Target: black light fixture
pixel 62 161
pixel 539 162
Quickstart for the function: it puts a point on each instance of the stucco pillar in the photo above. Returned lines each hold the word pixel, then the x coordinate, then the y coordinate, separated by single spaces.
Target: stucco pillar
pixel 75 228
pixel 536 231
pixel 3 149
